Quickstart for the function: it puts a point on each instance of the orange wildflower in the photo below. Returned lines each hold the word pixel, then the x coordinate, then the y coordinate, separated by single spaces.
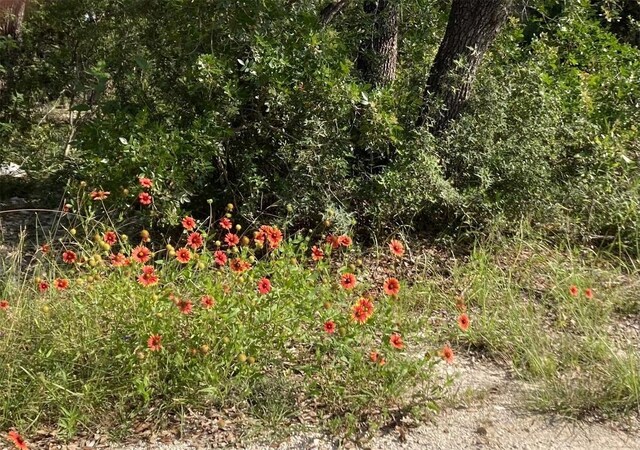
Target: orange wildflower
pixel 225 223
pixel 348 281
pixel 333 240
pixel 99 195
pixel 396 341
pixel 183 255
pixel 316 253
pixel 464 322
pixel 145 182
pixel 119 260
pixel 189 223
pixel 588 293
pixel 264 286
pixel 232 239
pixel 344 241
pixel 362 310
pixel 330 326
pixel 220 257
pixel 396 247
pixel 238 265
pixel 148 276
pixel 207 301
pixel 61 284
pixel 195 240
pixel 69 256
pixel 110 237
pixel 447 354
pixel 17 440
pixel 574 291
pixel 154 342
pixel 391 286
pixel 141 254
pixel 145 198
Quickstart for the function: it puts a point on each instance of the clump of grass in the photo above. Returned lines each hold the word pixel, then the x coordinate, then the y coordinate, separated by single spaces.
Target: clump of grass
pixel 554 316
pixel 109 327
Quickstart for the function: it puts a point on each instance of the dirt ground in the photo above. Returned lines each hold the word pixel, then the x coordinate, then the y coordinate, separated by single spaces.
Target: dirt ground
pixel 487 413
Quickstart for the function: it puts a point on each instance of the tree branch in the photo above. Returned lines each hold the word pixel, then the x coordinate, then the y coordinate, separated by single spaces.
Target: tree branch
pixel 329 12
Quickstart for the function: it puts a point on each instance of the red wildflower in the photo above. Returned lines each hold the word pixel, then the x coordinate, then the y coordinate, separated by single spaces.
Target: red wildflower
pixel 574 291
pixel 316 253
pixel 148 276
pixel 141 254
pixel 185 306
pixel 110 237
pixel 69 257
pixel 344 241
pixel 225 223
pixel 588 293
pixel 119 260
pixel 264 286
pixel 463 322
pixel 188 223
pixel 183 255
pixel 4 305
pixel 46 248
pixel 362 310
pixel 99 195
pixel 333 240
pixel 17 440
pixel 232 239
pixel 220 257
pixel 447 354
pixel 195 240
pixel 396 247
pixel 43 286
pixel 207 301
pixel 374 356
pixel 61 284
pixel 396 340
pixel 145 198
pixel 272 234
pixel 238 265
pixel 154 342
pixel 348 280
pixel 145 182
pixel 330 326
pixel 391 286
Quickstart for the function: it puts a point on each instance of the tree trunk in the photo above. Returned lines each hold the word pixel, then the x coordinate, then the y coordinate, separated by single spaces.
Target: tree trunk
pixel 11 15
pixel 378 54
pixel 472 27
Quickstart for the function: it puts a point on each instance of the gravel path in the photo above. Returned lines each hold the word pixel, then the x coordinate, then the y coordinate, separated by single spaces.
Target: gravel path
pixel 484 415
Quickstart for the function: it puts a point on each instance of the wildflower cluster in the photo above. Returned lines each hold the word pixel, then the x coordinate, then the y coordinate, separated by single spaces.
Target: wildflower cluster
pixel 233 300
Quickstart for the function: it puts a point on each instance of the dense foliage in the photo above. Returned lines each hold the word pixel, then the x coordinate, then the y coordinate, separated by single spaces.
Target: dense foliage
pixel 259 103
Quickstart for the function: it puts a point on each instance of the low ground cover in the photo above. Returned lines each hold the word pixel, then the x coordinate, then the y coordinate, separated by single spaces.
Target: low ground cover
pixel 103 329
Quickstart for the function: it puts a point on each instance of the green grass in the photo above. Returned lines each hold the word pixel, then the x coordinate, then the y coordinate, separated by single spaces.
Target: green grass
pixel 572 349
pixel 77 359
